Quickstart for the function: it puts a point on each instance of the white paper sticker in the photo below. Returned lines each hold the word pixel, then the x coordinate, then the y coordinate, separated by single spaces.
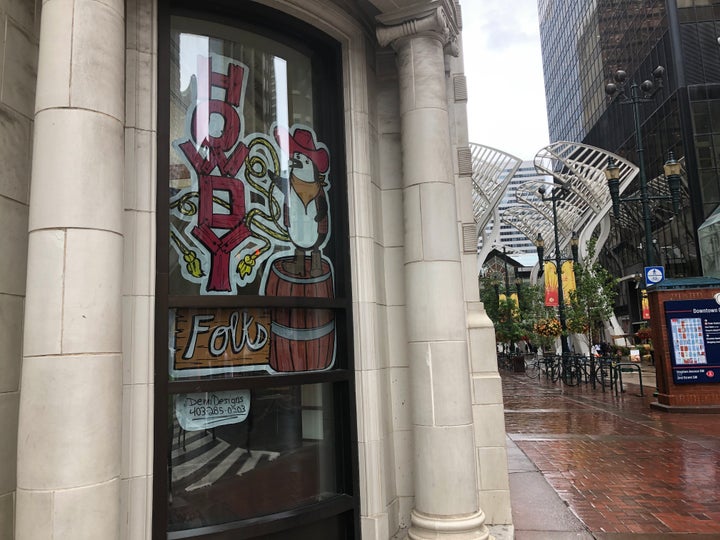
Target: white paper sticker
pixel 206 410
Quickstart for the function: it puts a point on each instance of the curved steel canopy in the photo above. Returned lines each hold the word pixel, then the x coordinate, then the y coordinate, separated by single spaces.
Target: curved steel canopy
pixel 492 171
pixel 581 169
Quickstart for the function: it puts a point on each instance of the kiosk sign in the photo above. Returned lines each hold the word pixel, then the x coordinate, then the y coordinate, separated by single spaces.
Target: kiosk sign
pixel 693 327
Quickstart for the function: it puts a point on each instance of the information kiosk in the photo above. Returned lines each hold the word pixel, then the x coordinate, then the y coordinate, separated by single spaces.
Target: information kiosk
pixel 685 323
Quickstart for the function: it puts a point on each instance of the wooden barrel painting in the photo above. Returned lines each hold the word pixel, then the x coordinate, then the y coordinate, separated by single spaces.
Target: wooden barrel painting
pixel 301 339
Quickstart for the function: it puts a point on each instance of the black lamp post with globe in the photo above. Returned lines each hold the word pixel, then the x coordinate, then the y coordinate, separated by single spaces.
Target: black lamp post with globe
pixel 672 175
pixel 638 94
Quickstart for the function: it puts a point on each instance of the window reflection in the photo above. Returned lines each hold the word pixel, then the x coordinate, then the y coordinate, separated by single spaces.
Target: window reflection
pixel 229 91
pixel 277 455
pixel 243 110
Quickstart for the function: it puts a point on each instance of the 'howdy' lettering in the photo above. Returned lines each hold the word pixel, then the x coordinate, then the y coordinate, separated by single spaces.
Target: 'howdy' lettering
pixel 228 165
pixel 226 154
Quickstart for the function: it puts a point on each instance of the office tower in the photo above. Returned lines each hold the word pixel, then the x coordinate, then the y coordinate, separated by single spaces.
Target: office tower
pixel 584 43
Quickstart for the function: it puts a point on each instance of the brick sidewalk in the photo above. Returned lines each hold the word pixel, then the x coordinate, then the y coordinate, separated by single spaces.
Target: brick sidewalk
pixel 621 467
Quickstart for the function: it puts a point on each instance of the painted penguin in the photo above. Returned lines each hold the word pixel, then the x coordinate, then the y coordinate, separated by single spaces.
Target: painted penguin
pixel 305 209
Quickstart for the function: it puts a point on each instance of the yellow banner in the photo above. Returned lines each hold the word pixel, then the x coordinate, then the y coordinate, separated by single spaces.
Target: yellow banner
pixel 568 280
pixel 516 305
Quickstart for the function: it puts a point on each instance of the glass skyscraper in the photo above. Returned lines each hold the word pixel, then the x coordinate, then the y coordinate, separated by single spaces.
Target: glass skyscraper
pixel 584 42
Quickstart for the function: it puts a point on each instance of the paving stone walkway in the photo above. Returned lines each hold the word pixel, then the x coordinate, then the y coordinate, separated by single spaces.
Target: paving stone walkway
pixel 622 469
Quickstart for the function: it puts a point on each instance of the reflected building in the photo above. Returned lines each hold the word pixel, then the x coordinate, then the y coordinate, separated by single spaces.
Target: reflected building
pixel 583 44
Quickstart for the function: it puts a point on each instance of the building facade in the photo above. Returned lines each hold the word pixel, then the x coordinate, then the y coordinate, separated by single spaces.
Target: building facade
pixel 241 303
pixel 638 36
pixel 514 240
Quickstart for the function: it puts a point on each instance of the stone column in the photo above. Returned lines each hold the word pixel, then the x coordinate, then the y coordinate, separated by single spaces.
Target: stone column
pixel 70 396
pixel 446 501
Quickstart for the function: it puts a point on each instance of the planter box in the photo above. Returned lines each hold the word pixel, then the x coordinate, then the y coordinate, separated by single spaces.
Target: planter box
pixel 518 364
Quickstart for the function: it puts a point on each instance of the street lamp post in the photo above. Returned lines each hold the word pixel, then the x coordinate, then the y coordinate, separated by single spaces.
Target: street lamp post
pixel 507 280
pixel 672 175
pixel 558 259
pixel 638 94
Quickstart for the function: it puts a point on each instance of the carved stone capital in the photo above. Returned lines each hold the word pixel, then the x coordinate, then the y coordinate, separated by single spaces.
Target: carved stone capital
pixel 437 18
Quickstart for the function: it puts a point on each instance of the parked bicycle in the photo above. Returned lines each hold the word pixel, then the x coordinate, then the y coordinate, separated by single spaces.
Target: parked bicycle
pixel 533 366
pixel 605 372
pixel 572 370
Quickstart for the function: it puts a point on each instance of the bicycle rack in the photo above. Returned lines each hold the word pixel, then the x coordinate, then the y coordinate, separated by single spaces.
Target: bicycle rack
pixel 624 365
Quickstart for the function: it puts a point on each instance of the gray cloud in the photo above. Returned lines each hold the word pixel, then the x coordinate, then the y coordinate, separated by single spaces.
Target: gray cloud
pixel 501 24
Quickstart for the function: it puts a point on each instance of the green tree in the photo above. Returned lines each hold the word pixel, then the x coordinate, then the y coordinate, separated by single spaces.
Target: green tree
pixel 593 300
pixel 534 310
pixel 489 293
pixel 504 313
pixel 514 324
pixel 509 329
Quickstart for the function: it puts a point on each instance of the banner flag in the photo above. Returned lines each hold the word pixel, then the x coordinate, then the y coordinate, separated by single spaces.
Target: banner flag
pixel 645 305
pixel 516 306
pixel 551 284
pixel 568 280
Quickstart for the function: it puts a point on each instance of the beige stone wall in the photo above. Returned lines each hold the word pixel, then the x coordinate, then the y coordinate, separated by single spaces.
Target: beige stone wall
pixel 398 425
pixel 375 194
pixel 375 199
pixel 19 27
pixel 138 288
pixel 487 399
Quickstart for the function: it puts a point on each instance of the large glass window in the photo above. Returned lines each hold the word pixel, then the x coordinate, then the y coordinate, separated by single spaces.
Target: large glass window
pixel 254 393
pixel 239 454
pixel 250 178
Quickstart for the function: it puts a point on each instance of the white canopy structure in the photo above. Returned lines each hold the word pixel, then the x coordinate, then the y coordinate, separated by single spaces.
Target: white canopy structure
pixel 586 204
pixel 581 169
pixel 492 171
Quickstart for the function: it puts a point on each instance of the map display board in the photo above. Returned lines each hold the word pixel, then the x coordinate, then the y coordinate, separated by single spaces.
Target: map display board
pixel 693 328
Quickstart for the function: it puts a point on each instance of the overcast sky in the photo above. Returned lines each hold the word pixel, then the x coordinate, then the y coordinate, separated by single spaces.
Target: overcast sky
pixel 506 93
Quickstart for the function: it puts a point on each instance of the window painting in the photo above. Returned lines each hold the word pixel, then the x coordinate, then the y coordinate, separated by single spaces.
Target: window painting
pixel 248 288
pixel 248 207
pixel 205 342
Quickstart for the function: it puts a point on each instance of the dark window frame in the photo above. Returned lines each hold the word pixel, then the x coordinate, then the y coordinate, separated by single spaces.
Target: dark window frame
pixel 341 512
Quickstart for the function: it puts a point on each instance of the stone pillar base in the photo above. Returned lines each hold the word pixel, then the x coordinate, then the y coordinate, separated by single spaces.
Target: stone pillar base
pixel 426 527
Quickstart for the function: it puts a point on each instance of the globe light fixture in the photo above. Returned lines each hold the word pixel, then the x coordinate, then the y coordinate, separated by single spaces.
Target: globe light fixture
pixel 634 96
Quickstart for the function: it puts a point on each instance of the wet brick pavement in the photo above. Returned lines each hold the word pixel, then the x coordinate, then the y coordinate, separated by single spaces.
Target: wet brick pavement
pixel 623 469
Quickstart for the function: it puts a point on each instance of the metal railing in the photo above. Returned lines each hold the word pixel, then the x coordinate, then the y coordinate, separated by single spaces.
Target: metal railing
pixel 573 369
